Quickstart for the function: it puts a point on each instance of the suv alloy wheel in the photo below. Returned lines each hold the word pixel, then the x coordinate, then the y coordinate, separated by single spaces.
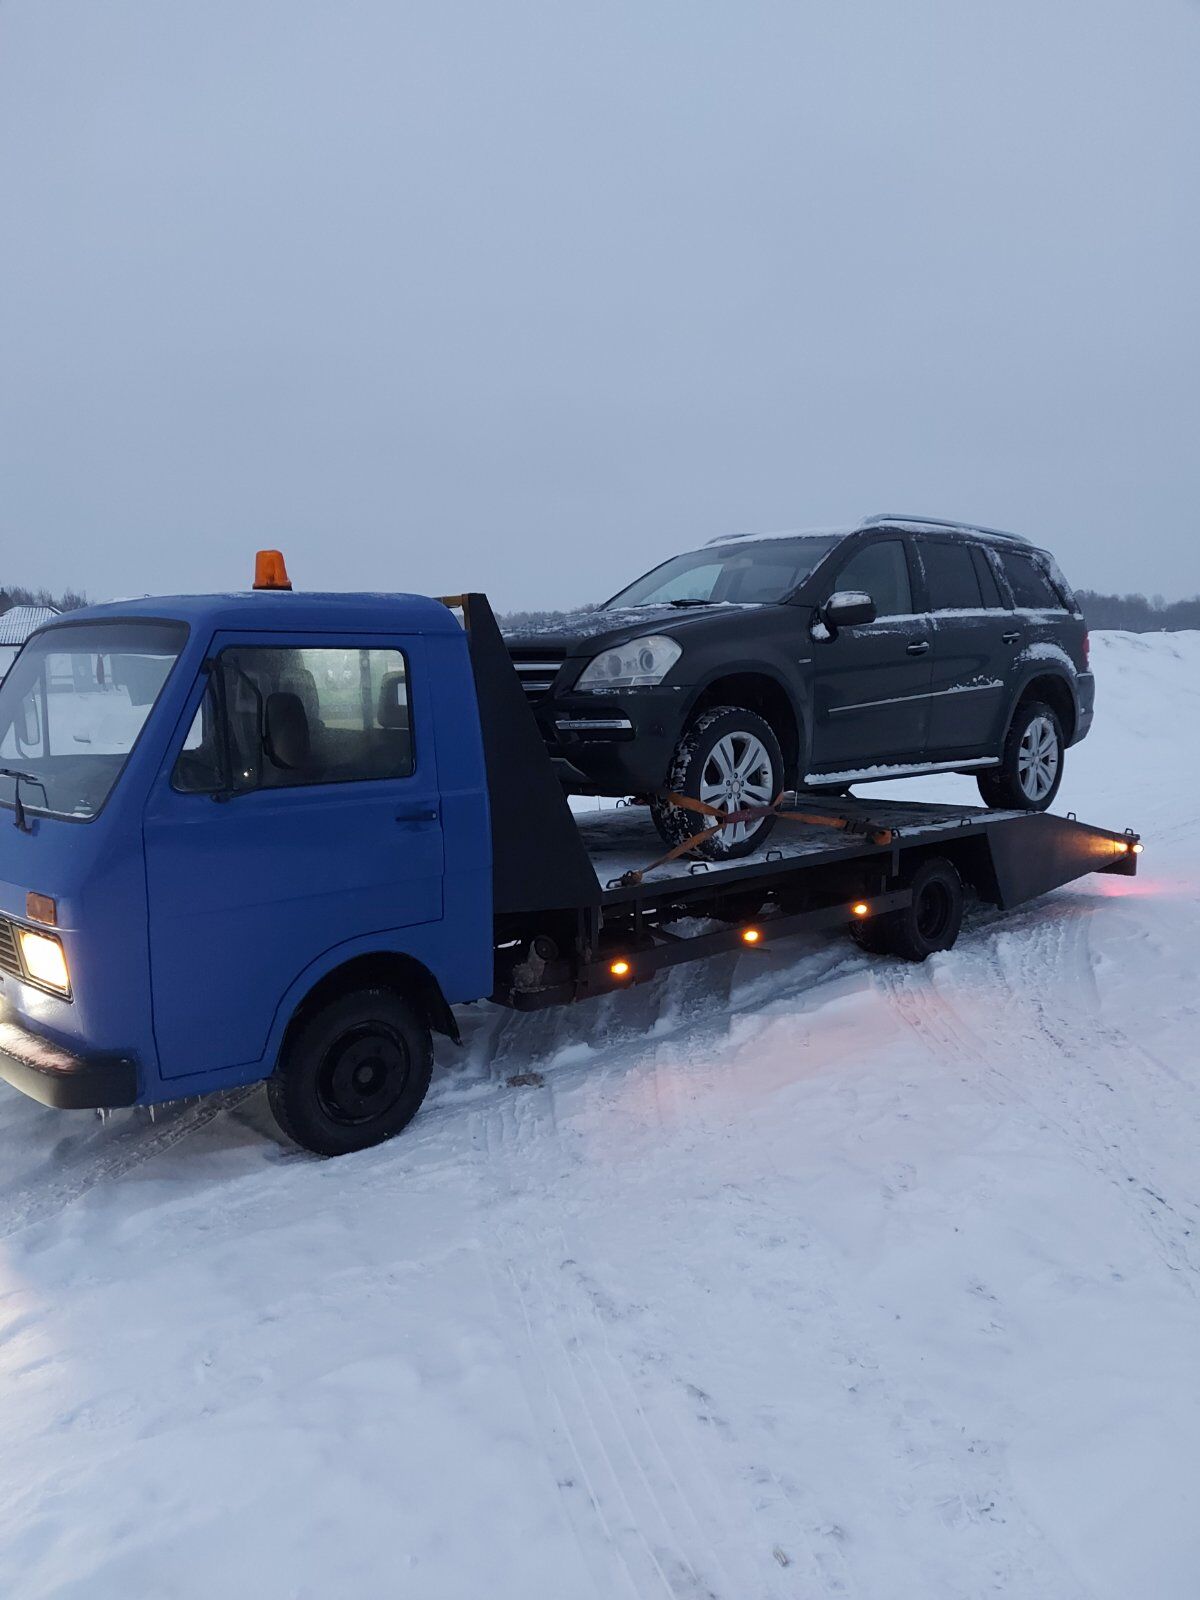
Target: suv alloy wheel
pixel 1031 764
pixel 729 758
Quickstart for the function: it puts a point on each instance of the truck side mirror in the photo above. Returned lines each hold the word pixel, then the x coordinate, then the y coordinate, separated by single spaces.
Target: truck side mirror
pixel 849 608
pixel 285 732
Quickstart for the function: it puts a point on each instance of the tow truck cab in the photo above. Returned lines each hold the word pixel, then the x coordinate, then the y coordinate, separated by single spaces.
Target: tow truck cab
pixel 213 808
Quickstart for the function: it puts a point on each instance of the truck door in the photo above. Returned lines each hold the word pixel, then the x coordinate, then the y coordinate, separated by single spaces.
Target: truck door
pixel 299 810
pixel 871 683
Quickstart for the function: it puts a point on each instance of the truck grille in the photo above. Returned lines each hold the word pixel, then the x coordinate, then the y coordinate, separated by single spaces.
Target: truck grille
pixel 9 959
pixel 537 671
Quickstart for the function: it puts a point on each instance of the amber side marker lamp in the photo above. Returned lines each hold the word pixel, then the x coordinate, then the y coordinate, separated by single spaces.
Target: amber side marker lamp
pixel 620 969
pixel 751 935
pixel 860 908
pixel 41 908
pixel 270 570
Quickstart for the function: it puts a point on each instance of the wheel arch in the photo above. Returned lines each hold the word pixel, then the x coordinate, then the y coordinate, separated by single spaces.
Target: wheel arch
pixel 1058 692
pixel 757 689
pixel 391 969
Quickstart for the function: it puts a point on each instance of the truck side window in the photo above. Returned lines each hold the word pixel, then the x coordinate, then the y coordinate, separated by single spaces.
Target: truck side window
pixel 880 570
pixel 277 718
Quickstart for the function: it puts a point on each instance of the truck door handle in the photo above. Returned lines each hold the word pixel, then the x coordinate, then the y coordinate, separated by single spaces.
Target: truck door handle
pixel 1011 638
pixel 918 647
pixel 417 814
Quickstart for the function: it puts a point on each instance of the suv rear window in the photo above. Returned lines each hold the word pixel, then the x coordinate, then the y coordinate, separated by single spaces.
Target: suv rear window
pixel 950 576
pixel 1030 586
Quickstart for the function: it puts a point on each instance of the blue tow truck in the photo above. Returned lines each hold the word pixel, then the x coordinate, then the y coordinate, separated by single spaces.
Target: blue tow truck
pixel 277 836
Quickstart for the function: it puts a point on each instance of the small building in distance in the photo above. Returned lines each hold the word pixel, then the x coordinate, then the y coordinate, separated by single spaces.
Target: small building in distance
pixel 16 624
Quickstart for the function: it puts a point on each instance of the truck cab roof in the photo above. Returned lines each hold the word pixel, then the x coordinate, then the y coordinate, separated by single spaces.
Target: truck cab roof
pixel 268 610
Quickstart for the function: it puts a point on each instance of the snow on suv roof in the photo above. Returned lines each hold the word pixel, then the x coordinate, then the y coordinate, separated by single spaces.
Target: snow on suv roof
pixel 780 533
pixel 904 523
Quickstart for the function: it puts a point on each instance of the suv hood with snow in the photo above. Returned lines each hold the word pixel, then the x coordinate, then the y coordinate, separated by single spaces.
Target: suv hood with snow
pixel 598 629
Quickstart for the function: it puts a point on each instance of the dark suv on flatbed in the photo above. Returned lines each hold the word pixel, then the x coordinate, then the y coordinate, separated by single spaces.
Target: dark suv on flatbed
pixel 817 660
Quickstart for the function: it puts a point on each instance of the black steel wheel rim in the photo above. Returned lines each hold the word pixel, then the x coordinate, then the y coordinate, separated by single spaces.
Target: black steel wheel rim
pixel 934 905
pixel 363 1074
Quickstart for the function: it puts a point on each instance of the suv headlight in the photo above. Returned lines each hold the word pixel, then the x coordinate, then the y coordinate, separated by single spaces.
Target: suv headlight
pixel 45 960
pixel 640 664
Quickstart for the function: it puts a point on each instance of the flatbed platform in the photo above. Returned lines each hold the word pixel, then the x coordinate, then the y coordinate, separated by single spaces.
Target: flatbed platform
pixel 620 839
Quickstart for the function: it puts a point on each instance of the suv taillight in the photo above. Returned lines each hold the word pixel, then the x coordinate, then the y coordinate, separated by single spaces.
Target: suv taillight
pixel 1087 648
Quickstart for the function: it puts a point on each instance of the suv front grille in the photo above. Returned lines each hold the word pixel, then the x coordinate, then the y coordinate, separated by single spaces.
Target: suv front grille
pixel 537 672
pixel 10 961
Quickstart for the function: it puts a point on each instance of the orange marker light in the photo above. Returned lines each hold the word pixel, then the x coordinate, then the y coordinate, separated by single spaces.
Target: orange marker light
pixel 1122 845
pixel 860 908
pixel 751 935
pixel 270 570
pixel 620 969
pixel 41 908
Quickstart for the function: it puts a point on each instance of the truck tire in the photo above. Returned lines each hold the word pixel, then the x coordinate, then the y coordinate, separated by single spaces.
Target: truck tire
pixel 729 757
pixel 352 1074
pixel 1031 763
pixel 931 922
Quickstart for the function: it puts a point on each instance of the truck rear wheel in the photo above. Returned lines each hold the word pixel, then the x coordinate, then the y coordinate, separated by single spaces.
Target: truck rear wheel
pixel 353 1074
pixel 931 922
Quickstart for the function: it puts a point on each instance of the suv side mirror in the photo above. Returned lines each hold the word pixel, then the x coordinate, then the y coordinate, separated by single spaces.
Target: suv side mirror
pixel 849 608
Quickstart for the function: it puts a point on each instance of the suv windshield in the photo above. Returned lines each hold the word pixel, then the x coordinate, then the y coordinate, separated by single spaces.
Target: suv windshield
pixel 754 572
pixel 72 707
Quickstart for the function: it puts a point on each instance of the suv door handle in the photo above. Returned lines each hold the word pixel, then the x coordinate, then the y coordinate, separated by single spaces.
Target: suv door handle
pixel 918 647
pixel 417 814
pixel 1011 638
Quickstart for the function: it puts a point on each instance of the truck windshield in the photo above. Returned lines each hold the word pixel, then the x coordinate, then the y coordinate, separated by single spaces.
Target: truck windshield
pixel 72 707
pixel 749 572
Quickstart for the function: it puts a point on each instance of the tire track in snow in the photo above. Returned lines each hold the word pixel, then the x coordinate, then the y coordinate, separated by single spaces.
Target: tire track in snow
pixel 643 1486
pixel 1022 964
pixel 652 1496
pixel 115 1155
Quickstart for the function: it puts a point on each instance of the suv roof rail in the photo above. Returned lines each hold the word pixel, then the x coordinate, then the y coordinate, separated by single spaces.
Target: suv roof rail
pixel 886 519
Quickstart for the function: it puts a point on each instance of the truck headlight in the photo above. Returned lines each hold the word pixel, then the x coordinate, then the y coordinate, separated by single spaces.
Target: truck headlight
pixel 640 664
pixel 45 960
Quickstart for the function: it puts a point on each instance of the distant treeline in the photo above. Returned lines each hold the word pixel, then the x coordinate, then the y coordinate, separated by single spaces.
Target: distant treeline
pixel 1136 614
pixel 16 596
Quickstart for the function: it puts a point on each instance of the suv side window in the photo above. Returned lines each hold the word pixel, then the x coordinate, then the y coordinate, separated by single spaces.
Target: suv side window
pixel 345 711
pixel 880 570
pixel 986 573
pixel 1030 586
pixel 950 576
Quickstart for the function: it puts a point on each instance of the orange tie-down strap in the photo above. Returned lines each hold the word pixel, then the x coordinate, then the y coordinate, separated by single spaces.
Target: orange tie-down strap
pixel 726 819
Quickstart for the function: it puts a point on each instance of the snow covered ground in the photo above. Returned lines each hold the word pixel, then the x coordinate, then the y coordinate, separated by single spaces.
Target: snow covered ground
pixel 794 1275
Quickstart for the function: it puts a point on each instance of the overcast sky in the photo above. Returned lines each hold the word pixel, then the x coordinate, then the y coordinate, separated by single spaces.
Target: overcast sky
pixel 526 297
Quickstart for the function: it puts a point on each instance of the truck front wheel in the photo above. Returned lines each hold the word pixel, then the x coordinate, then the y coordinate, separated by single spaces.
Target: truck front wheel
pixel 352 1074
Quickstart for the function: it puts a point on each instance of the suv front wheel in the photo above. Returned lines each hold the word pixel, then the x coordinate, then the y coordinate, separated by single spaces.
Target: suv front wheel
pixel 1031 764
pixel 729 758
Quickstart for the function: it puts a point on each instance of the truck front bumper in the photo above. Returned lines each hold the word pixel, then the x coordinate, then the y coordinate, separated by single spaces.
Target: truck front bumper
pixel 59 1077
